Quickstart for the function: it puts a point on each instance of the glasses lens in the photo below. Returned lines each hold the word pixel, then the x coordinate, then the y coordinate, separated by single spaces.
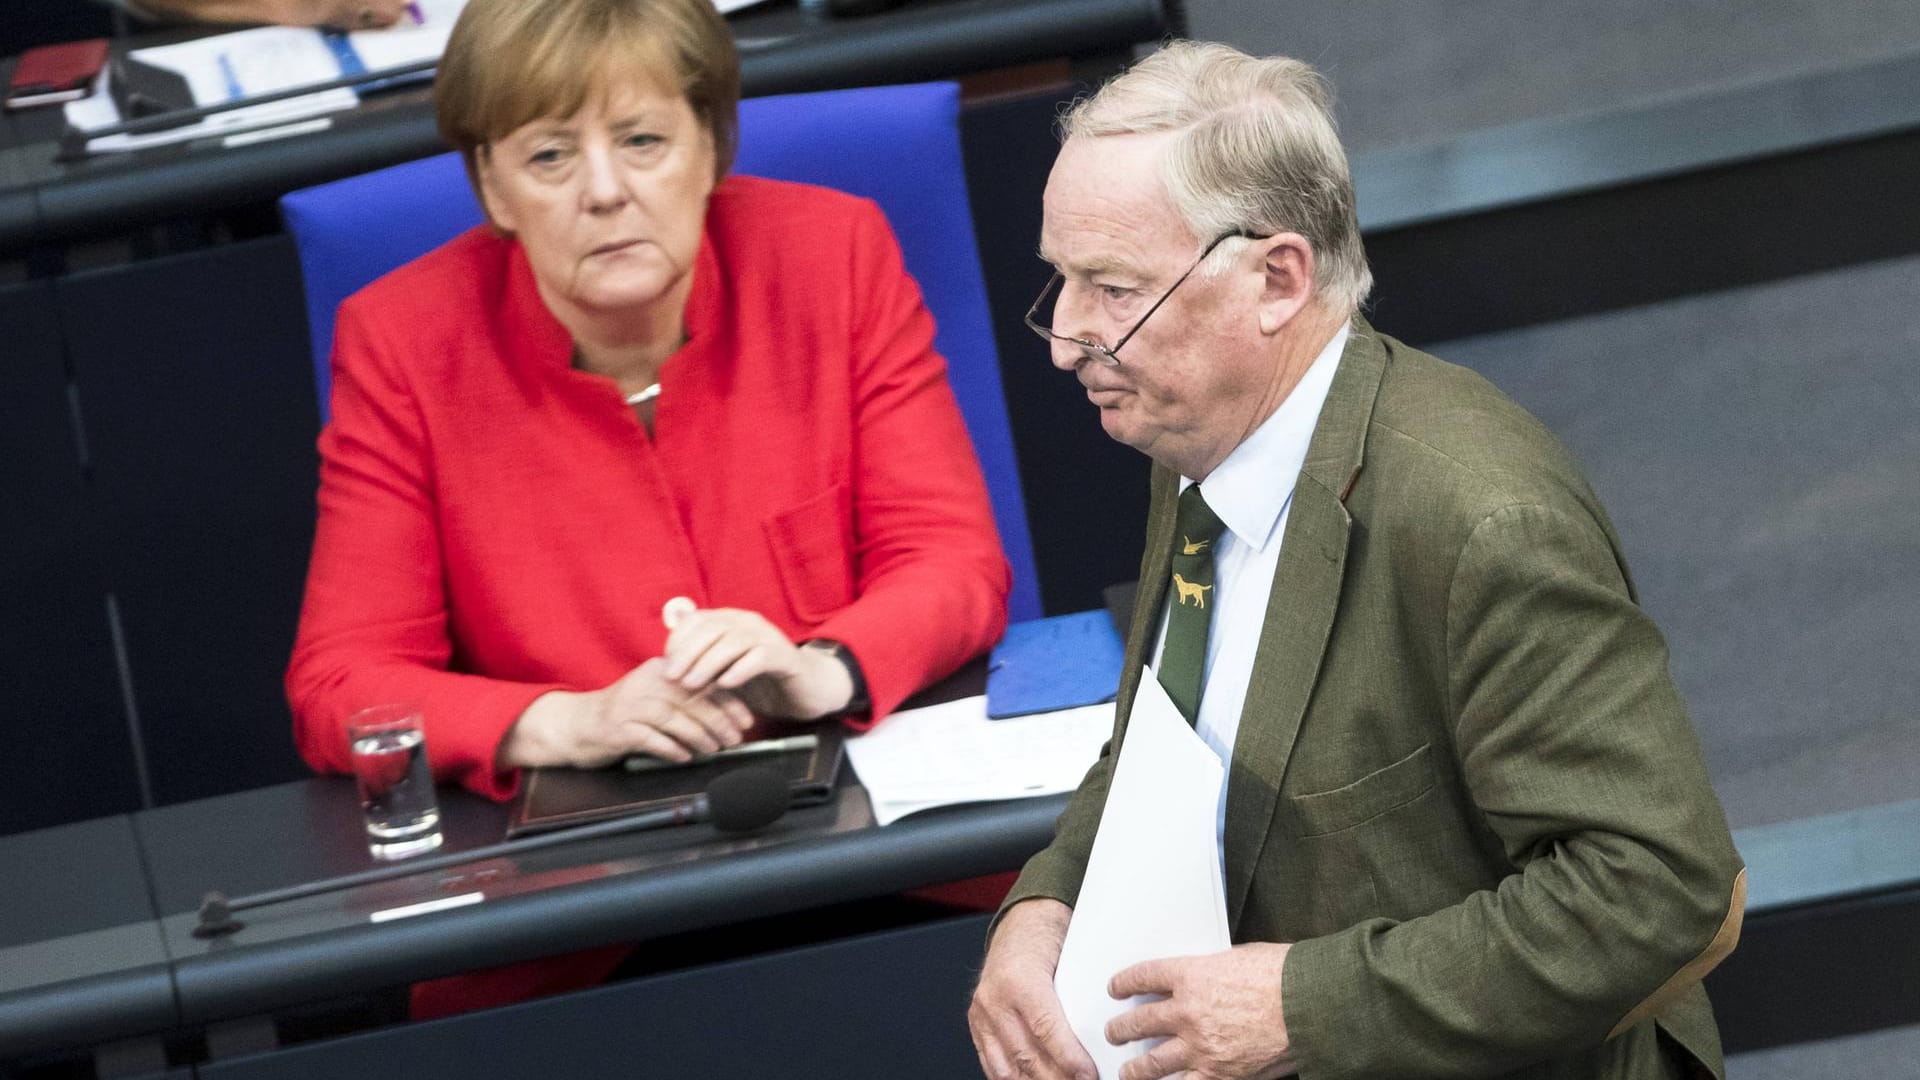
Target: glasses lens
pixel 1042 326
pixel 1096 352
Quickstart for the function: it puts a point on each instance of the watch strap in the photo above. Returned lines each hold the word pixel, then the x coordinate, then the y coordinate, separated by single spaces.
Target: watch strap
pixel 859 702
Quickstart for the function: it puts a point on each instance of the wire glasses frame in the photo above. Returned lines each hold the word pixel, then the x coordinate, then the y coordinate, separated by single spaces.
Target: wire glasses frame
pixel 1110 354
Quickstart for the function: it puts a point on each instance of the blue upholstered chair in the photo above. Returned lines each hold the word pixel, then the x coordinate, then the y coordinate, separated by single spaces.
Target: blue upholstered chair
pixel 896 145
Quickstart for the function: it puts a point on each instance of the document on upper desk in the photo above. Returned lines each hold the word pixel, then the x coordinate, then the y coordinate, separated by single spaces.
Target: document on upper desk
pixel 1154 886
pixel 950 753
pixel 247 64
pixel 267 59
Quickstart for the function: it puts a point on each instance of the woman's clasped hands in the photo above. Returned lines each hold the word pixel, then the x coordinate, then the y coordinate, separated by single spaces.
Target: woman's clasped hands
pixel 720 668
pixel 738 652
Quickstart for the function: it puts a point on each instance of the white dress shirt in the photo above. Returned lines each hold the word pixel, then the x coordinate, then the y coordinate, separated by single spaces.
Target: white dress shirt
pixel 1250 492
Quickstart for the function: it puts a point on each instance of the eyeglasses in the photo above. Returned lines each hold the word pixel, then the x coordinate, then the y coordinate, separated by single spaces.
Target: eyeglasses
pixel 1110 354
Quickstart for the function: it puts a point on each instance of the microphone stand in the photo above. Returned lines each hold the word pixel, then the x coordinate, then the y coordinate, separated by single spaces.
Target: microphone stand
pixel 216 911
pixel 73 141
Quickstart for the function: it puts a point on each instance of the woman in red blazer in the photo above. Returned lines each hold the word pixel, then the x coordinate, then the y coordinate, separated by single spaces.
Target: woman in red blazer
pixel 643 380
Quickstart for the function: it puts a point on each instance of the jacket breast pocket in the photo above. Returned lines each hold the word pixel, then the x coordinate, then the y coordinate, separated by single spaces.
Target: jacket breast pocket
pixel 812 545
pixel 1321 813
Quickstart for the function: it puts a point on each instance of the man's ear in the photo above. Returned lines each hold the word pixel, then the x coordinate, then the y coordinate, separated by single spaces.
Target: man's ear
pixel 490 202
pixel 1287 259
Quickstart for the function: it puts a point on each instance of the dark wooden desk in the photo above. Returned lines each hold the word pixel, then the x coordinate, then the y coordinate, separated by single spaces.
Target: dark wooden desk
pixel 81 957
pixel 98 948
pixel 97 954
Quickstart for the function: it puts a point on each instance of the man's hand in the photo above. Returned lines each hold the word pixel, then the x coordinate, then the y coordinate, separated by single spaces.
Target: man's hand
pixel 1018 1027
pixel 1221 1019
pixel 643 712
pixel 740 652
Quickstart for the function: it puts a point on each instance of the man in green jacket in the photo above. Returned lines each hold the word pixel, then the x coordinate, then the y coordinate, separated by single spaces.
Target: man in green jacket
pixel 1466 828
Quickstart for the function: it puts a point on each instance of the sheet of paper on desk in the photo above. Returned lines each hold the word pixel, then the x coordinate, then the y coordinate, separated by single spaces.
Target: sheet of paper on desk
pixel 266 60
pixel 422 36
pixel 951 753
pixel 246 63
pixel 1153 886
pixel 222 68
pixel 98 111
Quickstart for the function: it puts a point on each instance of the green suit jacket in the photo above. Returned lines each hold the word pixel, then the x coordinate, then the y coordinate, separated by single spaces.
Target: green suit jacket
pixel 1464 783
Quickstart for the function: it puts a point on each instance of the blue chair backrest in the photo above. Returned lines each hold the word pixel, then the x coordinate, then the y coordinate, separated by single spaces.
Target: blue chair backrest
pixel 896 145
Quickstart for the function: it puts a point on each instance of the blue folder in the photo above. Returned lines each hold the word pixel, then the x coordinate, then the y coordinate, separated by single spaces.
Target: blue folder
pixel 1058 663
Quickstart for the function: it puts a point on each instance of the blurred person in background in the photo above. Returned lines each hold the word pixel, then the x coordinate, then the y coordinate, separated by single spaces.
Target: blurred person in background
pixel 44 22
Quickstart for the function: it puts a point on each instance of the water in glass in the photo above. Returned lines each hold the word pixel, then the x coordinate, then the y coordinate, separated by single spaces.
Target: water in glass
pixel 396 789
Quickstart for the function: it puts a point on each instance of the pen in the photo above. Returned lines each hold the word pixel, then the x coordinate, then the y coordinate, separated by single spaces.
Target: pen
pixel 649 763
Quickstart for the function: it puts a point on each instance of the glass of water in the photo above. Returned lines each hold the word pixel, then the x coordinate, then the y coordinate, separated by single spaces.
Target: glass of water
pixel 389 749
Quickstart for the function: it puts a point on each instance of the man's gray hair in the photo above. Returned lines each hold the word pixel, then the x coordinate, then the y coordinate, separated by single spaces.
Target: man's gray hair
pixel 1256 151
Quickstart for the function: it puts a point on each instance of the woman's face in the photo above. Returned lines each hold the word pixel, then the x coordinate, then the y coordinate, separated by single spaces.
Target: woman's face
pixel 609 203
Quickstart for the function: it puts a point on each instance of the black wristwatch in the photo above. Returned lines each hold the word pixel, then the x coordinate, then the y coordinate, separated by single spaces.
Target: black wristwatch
pixel 858 703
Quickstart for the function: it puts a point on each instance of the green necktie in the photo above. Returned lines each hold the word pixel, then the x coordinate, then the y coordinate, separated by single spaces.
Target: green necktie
pixel 1183 656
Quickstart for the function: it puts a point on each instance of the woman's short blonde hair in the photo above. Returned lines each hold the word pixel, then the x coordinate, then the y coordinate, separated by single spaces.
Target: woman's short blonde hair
pixel 510 62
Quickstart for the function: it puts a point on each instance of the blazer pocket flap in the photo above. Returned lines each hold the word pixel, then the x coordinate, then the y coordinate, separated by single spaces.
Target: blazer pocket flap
pixel 811 545
pixel 1379 791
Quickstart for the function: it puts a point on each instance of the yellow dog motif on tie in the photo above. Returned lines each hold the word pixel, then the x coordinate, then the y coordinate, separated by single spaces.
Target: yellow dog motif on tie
pixel 1187 588
pixel 1193 548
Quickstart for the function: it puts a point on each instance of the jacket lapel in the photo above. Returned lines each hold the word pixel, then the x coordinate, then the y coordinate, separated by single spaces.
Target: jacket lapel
pixel 1300 609
pixel 1155 563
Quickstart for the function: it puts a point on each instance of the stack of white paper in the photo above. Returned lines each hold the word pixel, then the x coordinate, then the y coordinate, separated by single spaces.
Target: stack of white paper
pixel 951 753
pixel 1153 886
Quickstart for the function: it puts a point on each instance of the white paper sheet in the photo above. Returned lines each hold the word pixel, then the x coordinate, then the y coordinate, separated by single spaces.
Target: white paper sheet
pixel 269 59
pixel 246 63
pixel 951 753
pixel 1154 886
pixel 265 60
pixel 98 111
pixel 420 36
pixel 225 67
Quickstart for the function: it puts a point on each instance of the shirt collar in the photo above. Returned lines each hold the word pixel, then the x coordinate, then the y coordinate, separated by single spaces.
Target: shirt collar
pixel 1242 489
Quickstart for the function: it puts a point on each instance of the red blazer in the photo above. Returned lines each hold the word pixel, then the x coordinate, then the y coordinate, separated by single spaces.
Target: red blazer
pixel 495 524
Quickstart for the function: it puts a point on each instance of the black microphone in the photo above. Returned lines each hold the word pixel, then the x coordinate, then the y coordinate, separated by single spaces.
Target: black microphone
pixel 746 799
pixel 740 800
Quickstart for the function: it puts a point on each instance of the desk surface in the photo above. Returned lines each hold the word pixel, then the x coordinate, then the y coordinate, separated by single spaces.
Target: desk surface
pixel 84 958
pixel 80 955
pixel 575 896
pixel 96 943
pixel 44 202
